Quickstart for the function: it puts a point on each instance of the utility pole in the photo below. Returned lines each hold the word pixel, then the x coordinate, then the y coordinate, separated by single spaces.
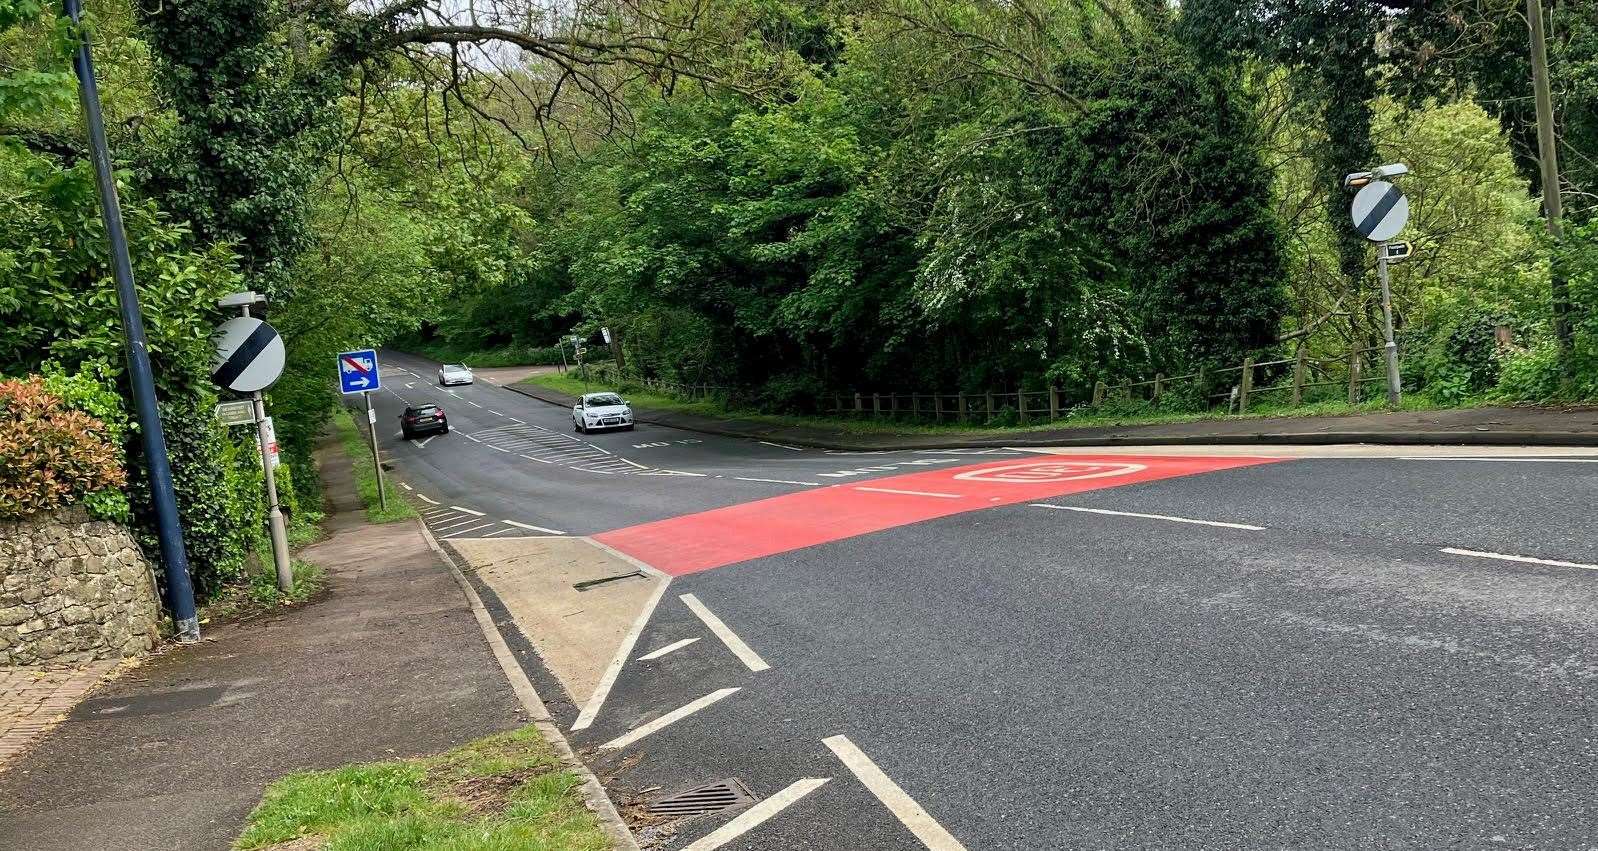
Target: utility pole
pixel 174 559
pixel 1548 159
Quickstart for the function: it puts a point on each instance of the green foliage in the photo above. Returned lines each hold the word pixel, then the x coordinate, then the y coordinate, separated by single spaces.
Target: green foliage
pixel 359 452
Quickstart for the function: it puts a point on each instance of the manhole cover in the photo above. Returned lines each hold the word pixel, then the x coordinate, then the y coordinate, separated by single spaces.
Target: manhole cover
pixel 709 798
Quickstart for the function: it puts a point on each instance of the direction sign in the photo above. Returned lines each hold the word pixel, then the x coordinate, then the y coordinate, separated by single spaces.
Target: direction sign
pixel 1396 251
pixel 249 355
pixel 357 371
pixel 1380 211
pixel 236 413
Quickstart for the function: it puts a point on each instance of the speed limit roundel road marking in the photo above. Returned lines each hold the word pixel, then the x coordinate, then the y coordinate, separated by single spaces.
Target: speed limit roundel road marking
pixel 1048 471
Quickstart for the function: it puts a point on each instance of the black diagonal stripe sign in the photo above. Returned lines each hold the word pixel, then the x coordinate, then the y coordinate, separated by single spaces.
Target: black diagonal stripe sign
pixel 249 355
pixel 1380 211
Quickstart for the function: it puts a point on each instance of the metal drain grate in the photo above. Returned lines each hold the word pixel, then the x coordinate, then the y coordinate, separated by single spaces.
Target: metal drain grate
pixel 709 798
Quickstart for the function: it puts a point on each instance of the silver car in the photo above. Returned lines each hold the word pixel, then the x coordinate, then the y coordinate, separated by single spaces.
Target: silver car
pixel 454 373
pixel 596 411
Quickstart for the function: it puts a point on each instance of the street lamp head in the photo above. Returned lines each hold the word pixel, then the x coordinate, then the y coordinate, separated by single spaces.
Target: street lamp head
pixel 1391 170
pixel 1360 179
pixel 1357 180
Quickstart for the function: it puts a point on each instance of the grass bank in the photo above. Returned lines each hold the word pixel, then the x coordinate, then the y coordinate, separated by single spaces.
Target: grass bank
pixel 571 383
pixel 353 437
pixel 506 791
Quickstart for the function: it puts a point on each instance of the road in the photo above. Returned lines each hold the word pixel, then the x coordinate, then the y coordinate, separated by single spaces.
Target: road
pixel 1018 650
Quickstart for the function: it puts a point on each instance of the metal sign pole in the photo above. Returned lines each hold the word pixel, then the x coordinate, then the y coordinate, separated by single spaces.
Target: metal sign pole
pixel 274 510
pixel 377 462
pixel 174 558
pixel 1390 348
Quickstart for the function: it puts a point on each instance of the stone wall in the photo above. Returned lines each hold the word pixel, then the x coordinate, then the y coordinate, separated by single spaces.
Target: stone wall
pixel 73 589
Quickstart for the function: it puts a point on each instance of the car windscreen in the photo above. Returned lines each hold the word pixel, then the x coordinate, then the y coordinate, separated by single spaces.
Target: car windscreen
pixel 425 410
pixel 454 367
pixel 603 399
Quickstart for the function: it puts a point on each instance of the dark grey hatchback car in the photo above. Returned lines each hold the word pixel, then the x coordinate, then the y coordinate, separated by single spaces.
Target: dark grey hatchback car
pixel 423 419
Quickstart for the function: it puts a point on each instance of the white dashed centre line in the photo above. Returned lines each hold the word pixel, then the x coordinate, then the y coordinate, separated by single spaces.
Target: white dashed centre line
pixel 667 720
pixel 903 807
pixel 749 657
pixel 424 498
pixel 757 814
pixel 776 481
pixel 675 645
pixel 467 511
pixel 1523 559
pixel 782 446
pixel 910 493
pixel 1167 518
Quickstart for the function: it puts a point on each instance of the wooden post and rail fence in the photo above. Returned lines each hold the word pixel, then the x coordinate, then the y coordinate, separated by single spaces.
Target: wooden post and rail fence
pixel 1293 383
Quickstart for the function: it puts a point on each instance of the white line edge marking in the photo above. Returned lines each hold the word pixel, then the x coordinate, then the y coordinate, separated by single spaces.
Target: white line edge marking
pixel 405 486
pixel 675 645
pixel 467 511
pixel 756 815
pixel 423 498
pixel 539 460
pixel 903 807
pixel 499 532
pixel 749 657
pixel 667 720
pixel 782 446
pixel 423 444
pixel 469 437
pixel 608 679
pixel 498 448
pixel 531 528
pixel 1465 458
pixel 776 481
pixel 454 524
pixel 516 421
pixel 910 493
pixel 495 413
pixel 1524 559
pixel 1243 526
pixel 469 529
pixel 652 571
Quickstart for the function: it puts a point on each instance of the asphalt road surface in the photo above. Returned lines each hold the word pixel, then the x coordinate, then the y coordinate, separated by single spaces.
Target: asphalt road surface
pixel 1012 650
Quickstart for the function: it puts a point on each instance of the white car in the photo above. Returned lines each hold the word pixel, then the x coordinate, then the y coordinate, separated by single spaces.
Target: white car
pixel 454 373
pixel 596 411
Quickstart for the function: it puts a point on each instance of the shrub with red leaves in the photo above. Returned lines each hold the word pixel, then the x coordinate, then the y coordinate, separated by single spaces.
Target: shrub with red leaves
pixel 50 454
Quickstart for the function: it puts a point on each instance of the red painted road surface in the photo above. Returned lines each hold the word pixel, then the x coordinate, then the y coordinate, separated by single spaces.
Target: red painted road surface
pixel 723 536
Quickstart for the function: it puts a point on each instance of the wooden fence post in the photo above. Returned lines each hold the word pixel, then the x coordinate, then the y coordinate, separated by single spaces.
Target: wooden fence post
pixel 1020 404
pixel 837 404
pixel 962 404
pixel 1126 390
pixel 876 404
pixel 1298 377
pixel 859 403
pixel 1159 386
pixel 987 399
pixel 1054 403
pixel 937 407
pixel 1353 377
pixel 1245 384
pixel 1204 386
pixel 1098 393
pixel 915 405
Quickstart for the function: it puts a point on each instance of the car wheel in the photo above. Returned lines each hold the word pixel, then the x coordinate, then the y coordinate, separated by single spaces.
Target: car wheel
pixel 627 427
pixel 445 430
pixel 406 434
pixel 577 427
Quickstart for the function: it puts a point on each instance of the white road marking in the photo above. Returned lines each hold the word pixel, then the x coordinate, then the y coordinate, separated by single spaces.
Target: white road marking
pixel 675 645
pixel 667 720
pixel 498 448
pixel 1464 458
pixel 608 679
pixel 903 807
pixel 516 421
pixel 749 657
pixel 757 814
pixel 782 446
pixel 1244 526
pixel 909 493
pixel 467 511
pixel 470 402
pixel 423 498
pixel 469 437
pixel 405 486
pixel 495 413
pixel 530 527
pixel 500 532
pixel 776 481
pixel 1526 559
pixel 464 531
pixel 457 395
pixel 423 444
pixel 539 460
pixel 454 523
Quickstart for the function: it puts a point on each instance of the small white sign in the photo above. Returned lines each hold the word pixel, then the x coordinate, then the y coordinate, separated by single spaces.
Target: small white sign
pixel 270 434
pixel 371 416
pixel 605 332
pixel 236 413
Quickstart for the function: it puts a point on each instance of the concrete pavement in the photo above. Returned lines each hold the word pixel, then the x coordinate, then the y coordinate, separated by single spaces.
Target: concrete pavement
pixel 1393 650
pixel 176 753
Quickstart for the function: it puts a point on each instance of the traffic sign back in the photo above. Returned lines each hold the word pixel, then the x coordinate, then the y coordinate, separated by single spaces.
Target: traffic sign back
pixel 357 371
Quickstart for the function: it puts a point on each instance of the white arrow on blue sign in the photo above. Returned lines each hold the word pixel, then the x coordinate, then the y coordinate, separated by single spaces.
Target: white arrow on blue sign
pixel 357 371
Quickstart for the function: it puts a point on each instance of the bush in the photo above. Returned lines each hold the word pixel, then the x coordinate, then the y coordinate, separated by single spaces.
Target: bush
pixel 1532 375
pixel 52 455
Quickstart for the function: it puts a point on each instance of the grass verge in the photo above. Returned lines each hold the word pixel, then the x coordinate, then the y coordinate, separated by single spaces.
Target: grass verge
pixel 512 355
pixel 259 595
pixel 573 384
pixel 353 438
pixel 506 791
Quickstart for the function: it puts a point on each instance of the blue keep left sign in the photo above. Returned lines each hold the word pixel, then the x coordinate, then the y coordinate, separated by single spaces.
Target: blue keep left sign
pixel 357 371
